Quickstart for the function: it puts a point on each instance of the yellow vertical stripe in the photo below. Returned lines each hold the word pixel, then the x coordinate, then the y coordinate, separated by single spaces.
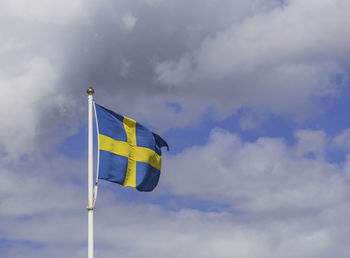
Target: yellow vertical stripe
pixel 130 129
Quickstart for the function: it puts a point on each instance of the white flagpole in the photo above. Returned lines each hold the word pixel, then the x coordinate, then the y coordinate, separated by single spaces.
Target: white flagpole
pixel 90 91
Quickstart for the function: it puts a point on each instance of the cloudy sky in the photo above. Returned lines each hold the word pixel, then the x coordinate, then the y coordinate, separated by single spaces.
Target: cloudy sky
pixel 251 95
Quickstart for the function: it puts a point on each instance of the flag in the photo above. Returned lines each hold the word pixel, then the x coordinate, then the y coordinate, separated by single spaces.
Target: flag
pixel 129 153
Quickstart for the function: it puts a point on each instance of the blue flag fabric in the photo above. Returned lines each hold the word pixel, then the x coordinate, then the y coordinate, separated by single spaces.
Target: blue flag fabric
pixel 130 154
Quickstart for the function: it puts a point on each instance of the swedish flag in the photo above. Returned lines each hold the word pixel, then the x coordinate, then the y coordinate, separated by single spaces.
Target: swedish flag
pixel 130 154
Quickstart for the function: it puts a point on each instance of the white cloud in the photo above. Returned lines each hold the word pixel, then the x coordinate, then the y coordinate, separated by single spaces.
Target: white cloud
pixel 342 140
pixel 129 21
pixel 174 73
pixel 310 141
pixel 262 176
pixel 153 2
pixel 284 205
pixel 40 186
pixel 278 60
pixel 28 92
pixel 125 69
pixel 49 11
pixel 33 103
pixel 251 120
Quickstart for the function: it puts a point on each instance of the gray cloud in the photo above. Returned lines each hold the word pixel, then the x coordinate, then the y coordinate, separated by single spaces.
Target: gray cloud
pixel 51 54
pixel 143 55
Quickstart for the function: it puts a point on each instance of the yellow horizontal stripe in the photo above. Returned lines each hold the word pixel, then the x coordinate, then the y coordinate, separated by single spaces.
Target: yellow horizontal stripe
pixel 122 148
pixel 149 156
pixel 117 147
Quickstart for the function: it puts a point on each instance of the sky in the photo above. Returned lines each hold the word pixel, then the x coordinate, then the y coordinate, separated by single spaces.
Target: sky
pixel 252 97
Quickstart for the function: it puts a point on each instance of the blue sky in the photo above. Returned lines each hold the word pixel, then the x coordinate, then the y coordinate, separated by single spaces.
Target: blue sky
pixel 251 95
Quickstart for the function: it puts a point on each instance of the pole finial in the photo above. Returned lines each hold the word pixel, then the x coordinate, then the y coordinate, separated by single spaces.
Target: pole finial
pixel 90 91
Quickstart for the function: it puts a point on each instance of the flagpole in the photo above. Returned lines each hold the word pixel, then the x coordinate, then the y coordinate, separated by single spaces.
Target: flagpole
pixel 90 91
